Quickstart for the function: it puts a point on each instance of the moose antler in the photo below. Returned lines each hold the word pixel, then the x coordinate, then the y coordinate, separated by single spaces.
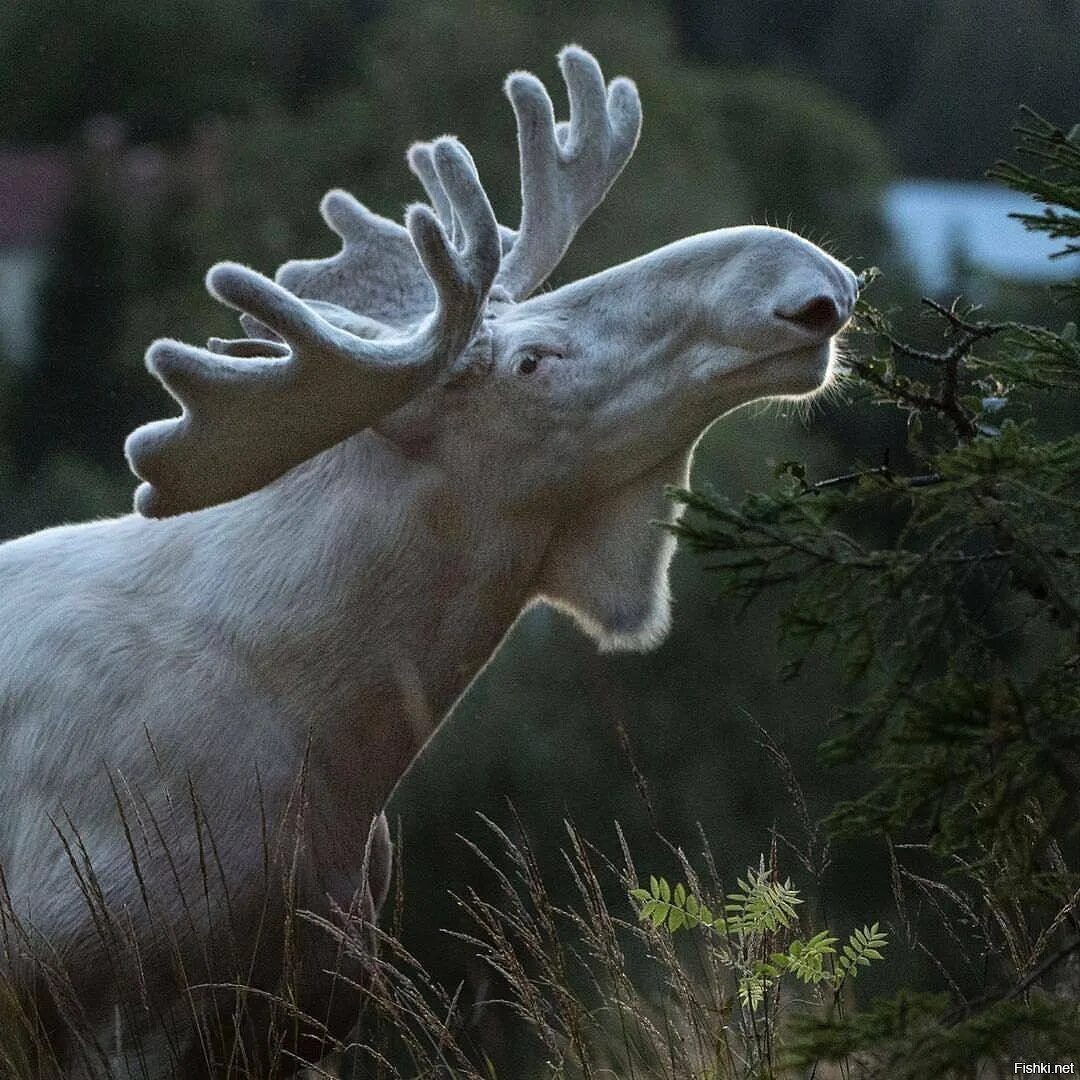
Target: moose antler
pixel 374 274
pixel 566 170
pixel 255 409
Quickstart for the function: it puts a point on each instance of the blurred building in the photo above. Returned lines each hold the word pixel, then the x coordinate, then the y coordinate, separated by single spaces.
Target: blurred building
pixel 948 232
pixel 40 187
pixel 36 188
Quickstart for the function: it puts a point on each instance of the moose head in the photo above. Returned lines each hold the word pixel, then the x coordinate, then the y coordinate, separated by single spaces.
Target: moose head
pixel 408 448
pixel 584 400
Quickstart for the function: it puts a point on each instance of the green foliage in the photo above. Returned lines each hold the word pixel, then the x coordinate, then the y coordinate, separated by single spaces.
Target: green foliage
pixel 862 947
pixel 912 1036
pixel 753 925
pixel 601 996
pixel 1054 184
pixel 944 579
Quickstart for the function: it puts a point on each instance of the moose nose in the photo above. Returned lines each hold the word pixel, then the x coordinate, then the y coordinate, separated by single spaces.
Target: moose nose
pixel 818 315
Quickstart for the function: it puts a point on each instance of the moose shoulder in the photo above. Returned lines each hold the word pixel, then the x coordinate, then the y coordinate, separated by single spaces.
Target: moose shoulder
pixel 219 693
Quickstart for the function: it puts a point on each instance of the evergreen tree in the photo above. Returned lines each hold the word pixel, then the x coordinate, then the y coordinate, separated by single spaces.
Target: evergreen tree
pixel 946 579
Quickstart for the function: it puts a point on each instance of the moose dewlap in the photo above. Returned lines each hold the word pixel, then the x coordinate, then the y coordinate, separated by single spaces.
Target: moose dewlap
pixel 206 704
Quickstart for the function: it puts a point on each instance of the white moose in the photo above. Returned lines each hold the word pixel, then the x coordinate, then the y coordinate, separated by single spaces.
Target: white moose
pixel 206 704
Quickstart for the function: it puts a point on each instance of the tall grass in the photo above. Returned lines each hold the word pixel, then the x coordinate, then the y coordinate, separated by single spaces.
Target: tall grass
pixel 597 987
pixel 200 989
pixel 597 990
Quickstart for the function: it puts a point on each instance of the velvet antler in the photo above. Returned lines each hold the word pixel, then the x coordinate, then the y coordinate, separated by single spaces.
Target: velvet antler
pixel 247 419
pixel 566 170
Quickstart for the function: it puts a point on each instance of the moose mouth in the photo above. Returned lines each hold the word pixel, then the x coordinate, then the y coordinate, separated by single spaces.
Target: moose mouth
pixel 802 372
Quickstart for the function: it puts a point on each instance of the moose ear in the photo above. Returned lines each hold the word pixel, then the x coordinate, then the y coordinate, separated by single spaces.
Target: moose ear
pixel 607 566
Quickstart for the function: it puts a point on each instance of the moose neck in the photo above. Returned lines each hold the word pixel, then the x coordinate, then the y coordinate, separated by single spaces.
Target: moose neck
pixel 372 594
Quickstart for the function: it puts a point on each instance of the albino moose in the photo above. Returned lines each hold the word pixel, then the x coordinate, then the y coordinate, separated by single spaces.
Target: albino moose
pixel 205 705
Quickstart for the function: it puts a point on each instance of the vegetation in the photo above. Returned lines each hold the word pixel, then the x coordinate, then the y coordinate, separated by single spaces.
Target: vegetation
pixel 62 63
pixel 946 579
pixel 750 927
pixel 592 990
pixel 598 993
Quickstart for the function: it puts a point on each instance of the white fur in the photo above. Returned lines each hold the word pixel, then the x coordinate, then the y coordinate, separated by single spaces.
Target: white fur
pixel 325 622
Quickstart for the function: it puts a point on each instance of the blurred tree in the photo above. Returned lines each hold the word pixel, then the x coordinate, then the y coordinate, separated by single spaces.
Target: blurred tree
pixel 158 66
pixel 948 119
pixel 67 400
pixel 718 148
pixel 940 75
pixel 310 49
pixel 162 67
pixel 810 160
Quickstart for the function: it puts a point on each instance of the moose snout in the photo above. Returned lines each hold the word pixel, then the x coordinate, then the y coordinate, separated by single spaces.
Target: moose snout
pixel 819 299
pixel 821 315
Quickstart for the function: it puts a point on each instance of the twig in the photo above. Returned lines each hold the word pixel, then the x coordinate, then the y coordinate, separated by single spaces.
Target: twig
pixel 851 478
pixel 884 471
pixel 948 362
pixel 1029 980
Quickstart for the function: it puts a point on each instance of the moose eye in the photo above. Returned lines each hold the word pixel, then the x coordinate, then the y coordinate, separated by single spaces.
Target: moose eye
pixel 531 359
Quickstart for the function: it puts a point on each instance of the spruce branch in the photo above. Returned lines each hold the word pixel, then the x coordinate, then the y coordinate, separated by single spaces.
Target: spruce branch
pixel 949 362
